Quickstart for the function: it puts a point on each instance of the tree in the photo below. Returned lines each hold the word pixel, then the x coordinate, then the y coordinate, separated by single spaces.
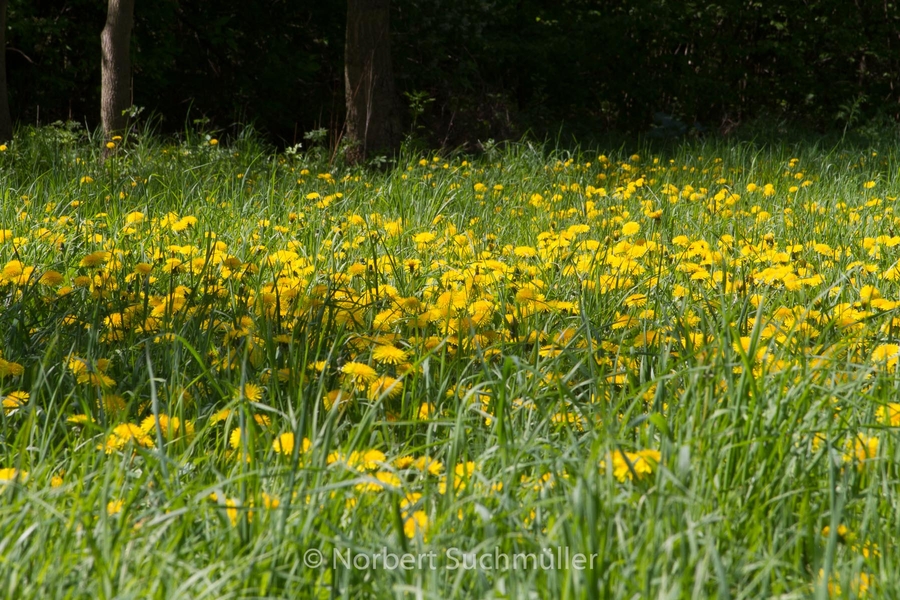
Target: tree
pixel 5 120
pixel 115 90
pixel 373 123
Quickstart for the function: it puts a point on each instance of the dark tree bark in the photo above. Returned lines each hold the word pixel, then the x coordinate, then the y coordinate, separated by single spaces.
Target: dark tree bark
pixel 115 44
pixel 5 120
pixel 373 123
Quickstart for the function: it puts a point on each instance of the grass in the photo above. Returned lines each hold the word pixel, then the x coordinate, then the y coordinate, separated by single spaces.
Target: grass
pixel 220 364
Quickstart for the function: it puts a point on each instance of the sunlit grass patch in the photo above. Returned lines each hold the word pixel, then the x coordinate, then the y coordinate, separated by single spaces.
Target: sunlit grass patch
pixel 214 360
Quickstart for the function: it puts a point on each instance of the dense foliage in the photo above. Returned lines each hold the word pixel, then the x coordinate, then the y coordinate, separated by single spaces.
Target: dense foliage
pixel 477 69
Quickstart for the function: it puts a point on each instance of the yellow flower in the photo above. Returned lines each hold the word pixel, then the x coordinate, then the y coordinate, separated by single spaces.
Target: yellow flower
pixel 428 465
pixel 333 396
pixel 366 461
pixel 421 240
pixel 887 354
pixel 359 373
pixel 94 259
pixel 890 414
pixel 220 416
pixel 184 223
pixel 253 392
pixel 134 218
pixel 51 278
pixel 123 435
pixel 234 439
pixel 843 533
pixel 627 465
pixel 113 403
pixel 868 293
pixel 284 444
pixel 462 472
pixel 383 479
pixel 114 507
pixel 630 228
pixel 14 400
pixel 169 426
pixel 231 507
pixel 635 300
pixel 11 475
pixel 864 448
pixel 525 251
pixel 385 386
pixel 415 523
pixel 389 354
pixel 214 142
pixel 869 185
pixel 270 502
pixel 91 374
pixel 425 411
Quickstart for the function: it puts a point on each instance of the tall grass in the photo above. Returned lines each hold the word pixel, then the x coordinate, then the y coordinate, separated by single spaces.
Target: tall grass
pixel 701 396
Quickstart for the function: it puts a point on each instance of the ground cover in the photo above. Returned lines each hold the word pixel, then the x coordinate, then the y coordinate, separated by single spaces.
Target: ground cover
pixel 227 372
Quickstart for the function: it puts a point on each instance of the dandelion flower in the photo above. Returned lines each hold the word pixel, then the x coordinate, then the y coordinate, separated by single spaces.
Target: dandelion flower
pixel 123 435
pixel 335 396
pixel 383 479
pixel 171 427
pixel 627 465
pixel 14 400
pixel 429 465
pixel 94 259
pixel 630 228
pixel 51 278
pixel 415 523
pixel 11 475
pixel 284 444
pixel 252 392
pixel 220 416
pixel 425 411
pixel 890 414
pixel 368 460
pixel 359 373
pixel 389 354
pixel 385 386
pixel 234 439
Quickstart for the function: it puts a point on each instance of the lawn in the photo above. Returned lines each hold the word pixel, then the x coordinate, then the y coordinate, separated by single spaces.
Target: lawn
pixel 232 373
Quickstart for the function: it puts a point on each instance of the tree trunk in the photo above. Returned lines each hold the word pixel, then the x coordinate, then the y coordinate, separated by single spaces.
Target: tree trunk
pixel 5 120
pixel 373 123
pixel 115 91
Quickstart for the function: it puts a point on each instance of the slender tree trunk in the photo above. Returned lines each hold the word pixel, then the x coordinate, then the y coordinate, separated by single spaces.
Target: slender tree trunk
pixel 115 43
pixel 5 120
pixel 373 123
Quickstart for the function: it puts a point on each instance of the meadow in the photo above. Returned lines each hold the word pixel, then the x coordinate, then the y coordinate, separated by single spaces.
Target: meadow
pixel 233 373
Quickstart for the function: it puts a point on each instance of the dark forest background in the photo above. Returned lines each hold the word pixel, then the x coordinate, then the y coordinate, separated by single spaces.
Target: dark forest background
pixel 469 70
